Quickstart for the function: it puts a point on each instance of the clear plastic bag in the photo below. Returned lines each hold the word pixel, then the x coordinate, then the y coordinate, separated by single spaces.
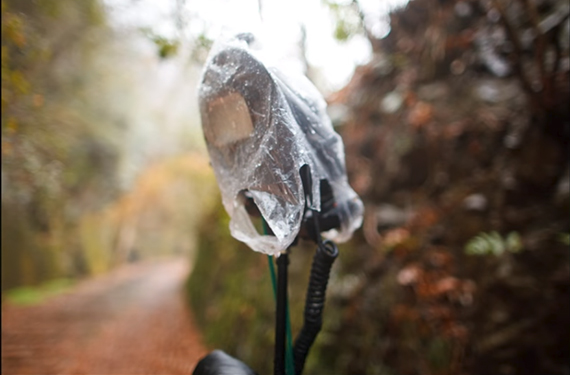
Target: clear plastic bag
pixel 261 126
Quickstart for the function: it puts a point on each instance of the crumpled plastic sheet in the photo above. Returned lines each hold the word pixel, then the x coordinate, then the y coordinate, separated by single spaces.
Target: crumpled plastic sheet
pixel 261 126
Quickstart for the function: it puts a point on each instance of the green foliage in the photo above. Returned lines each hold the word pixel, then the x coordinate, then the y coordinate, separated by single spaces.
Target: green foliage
pixel 564 238
pixel 201 48
pixel 493 244
pixel 166 47
pixel 439 353
pixel 59 145
pixel 342 30
pixel 44 134
pixel 347 18
pixel 35 295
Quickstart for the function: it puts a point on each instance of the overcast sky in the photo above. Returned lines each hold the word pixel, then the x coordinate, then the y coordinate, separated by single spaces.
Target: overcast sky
pixel 280 24
pixel 160 103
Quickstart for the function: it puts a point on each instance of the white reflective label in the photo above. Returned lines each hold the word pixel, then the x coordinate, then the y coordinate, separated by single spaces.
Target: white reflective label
pixel 228 120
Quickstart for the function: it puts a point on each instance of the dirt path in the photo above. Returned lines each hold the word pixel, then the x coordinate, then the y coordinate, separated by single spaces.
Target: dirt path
pixel 132 321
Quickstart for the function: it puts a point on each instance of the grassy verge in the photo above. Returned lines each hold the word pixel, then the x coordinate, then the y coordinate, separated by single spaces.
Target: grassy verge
pixel 32 295
pixel 231 294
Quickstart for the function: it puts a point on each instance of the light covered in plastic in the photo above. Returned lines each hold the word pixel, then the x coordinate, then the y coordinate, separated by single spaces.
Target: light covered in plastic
pixel 261 127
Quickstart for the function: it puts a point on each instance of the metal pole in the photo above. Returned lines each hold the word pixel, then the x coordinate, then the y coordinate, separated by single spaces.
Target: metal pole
pixel 281 314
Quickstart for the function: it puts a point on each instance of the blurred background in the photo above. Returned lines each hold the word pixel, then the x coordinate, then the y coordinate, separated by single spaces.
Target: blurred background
pixel 456 124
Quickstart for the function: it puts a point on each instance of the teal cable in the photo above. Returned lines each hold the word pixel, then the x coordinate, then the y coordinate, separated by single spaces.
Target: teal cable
pixel 273 277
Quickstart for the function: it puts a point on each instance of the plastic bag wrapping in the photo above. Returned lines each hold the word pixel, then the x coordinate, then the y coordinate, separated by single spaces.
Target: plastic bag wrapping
pixel 261 126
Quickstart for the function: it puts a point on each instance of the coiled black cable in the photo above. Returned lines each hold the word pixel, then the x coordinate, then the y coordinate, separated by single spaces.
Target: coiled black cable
pixel 323 260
